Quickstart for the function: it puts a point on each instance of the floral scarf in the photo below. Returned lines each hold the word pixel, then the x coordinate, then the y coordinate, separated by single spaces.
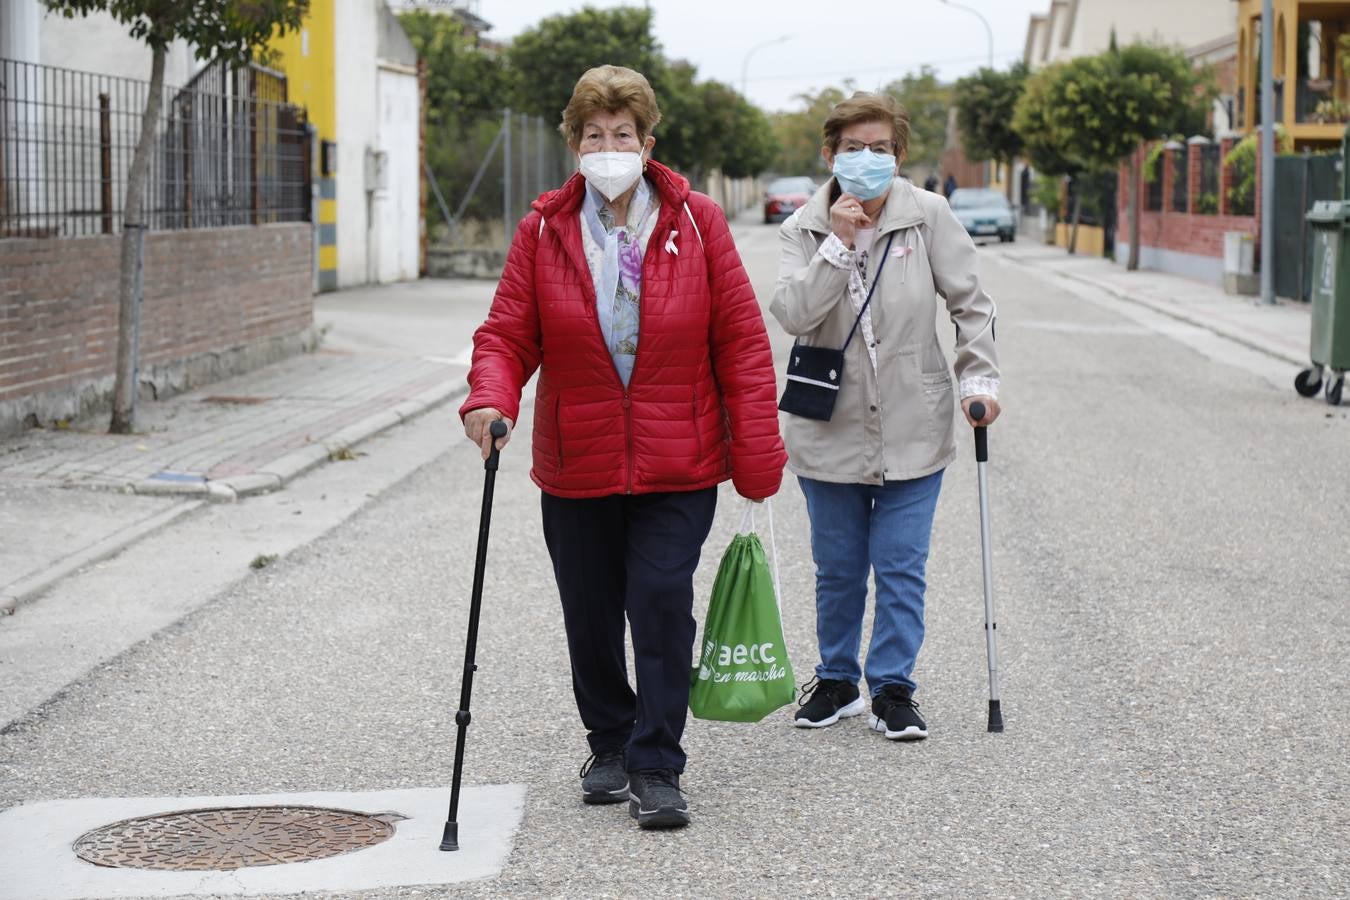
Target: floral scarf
pixel 619 286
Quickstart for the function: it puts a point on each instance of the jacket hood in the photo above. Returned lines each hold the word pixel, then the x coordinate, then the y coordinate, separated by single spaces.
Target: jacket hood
pixel 670 186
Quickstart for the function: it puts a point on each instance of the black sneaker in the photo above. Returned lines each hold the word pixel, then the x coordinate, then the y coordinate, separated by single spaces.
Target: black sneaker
pixel 825 701
pixel 657 801
pixel 604 778
pixel 895 714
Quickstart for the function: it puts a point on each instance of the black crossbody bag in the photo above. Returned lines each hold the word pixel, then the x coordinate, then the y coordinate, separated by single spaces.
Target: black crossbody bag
pixel 815 373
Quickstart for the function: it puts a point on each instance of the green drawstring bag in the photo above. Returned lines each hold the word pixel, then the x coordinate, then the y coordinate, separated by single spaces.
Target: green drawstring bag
pixel 743 672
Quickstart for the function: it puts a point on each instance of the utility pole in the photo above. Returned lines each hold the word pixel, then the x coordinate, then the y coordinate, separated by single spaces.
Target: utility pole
pixel 1267 153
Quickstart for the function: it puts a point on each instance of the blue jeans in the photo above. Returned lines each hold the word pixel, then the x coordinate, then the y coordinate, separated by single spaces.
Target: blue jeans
pixel 884 528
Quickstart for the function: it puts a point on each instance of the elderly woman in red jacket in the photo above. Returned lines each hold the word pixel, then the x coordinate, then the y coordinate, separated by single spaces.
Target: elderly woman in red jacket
pixel 656 383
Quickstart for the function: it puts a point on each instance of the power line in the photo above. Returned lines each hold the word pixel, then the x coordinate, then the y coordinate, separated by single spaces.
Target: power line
pixel 897 68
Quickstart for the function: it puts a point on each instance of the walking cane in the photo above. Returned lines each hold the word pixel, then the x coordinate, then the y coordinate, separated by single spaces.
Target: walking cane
pixel 990 626
pixel 450 837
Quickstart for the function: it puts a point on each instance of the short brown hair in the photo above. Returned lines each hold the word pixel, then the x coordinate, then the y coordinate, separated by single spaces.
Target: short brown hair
pixel 865 107
pixel 610 89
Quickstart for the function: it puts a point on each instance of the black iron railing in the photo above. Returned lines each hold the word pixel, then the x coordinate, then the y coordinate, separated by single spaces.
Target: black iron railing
pixel 228 150
pixel 1180 179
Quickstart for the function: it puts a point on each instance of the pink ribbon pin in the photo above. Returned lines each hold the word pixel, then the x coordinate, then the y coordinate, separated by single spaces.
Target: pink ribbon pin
pixel 902 252
pixel 670 243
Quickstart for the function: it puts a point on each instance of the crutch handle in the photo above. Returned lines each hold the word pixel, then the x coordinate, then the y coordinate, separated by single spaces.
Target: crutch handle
pixel 977 412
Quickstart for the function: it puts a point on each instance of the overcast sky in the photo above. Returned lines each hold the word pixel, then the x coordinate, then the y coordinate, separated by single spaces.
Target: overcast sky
pixel 872 41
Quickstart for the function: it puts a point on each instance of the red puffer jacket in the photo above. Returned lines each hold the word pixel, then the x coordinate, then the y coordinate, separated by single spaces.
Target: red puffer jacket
pixel 700 406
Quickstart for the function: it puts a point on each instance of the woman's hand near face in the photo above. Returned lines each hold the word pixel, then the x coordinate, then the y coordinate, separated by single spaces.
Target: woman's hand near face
pixel 476 422
pixel 846 217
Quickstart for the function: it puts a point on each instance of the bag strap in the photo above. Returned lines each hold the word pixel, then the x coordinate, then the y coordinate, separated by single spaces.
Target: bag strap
pixel 885 254
pixel 748 527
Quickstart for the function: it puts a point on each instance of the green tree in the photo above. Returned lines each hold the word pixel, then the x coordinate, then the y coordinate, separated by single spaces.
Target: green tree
pixel 1034 121
pixel 985 108
pixel 927 101
pixel 549 58
pixel 462 81
pixel 798 134
pixel 467 88
pixel 1103 107
pixel 736 134
pixel 227 30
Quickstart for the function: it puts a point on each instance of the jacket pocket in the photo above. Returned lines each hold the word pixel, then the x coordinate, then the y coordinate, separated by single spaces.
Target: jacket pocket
pixel 936 382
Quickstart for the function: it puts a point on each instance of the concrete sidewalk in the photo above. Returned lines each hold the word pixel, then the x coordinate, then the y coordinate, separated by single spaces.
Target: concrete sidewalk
pixel 73 497
pixel 1281 331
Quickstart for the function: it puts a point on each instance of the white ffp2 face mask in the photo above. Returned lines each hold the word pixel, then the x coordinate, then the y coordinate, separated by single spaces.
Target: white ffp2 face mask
pixel 611 173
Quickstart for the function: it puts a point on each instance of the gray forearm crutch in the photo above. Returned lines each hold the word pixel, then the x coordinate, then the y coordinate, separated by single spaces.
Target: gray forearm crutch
pixel 977 412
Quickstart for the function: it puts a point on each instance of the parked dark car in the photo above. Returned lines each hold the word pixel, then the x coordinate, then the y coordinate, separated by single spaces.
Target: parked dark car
pixel 785 196
pixel 984 213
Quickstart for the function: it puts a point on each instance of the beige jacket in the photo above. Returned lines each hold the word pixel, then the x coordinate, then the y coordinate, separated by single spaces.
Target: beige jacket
pixel 895 415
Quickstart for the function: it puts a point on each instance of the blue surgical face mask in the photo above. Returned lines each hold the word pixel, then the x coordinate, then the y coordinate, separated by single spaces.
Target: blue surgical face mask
pixel 864 174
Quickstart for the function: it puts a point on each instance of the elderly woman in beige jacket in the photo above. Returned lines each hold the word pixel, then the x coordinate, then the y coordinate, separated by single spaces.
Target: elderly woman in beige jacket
pixel 872 472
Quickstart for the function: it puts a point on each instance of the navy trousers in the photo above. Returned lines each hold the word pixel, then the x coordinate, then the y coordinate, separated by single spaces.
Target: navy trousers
pixel 634 555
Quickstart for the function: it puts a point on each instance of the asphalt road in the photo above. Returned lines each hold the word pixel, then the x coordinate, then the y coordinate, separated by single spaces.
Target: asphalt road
pixel 1171 585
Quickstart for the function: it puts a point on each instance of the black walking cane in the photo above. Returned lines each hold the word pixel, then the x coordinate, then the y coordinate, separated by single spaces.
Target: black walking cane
pixel 990 626
pixel 450 838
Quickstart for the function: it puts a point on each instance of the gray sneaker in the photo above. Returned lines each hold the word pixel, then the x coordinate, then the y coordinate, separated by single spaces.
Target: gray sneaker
pixel 604 778
pixel 657 801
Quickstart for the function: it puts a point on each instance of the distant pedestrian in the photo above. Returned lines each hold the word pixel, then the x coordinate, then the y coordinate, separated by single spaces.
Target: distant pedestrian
pixel 949 186
pixel 631 437
pixel 871 472
pixel 930 184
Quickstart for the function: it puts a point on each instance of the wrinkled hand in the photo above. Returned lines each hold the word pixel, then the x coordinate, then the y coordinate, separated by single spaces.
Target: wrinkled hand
pixel 991 409
pixel 476 424
pixel 846 217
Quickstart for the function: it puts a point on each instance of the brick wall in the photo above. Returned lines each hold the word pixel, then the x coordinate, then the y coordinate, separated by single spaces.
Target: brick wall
pixel 1189 234
pixel 223 295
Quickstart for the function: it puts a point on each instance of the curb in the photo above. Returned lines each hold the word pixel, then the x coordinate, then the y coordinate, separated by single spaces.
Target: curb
pixel 1171 313
pixel 195 494
pixel 279 472
pixel 28 589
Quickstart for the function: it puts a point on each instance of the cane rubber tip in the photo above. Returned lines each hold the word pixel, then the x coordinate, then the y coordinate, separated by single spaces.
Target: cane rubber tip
pixel 498 429
pixel 977 411
pixel 450 837
pixel 995 717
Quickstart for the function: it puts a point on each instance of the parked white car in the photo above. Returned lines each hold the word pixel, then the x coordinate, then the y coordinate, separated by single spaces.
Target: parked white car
pixel 984 213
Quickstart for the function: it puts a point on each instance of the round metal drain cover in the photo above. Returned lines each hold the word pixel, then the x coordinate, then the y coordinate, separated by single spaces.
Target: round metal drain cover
pixel 232 838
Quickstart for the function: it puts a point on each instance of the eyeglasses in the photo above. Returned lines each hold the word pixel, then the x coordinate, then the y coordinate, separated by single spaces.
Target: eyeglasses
pixel 879 147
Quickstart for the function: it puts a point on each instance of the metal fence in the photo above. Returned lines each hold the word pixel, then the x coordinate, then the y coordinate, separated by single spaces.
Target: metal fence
pixel 485 173
pixel 1206 201
pixel 228 150
pixel 1153 194
pixel 1181 168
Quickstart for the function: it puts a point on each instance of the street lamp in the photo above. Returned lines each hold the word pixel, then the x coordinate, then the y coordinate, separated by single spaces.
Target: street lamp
pixel 987 30
pixel 745 63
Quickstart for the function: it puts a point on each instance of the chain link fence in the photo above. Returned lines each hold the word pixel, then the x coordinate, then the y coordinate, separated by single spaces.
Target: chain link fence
pixel 483 177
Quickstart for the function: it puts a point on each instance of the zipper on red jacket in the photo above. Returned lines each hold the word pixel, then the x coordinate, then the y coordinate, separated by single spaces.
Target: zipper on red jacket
pixel 628 439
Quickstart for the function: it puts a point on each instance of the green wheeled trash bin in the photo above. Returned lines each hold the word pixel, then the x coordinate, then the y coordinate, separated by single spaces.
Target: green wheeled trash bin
pixel 1330 351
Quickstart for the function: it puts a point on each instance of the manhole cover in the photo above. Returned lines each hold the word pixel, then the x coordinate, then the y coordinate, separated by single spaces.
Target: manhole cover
pixel 232 838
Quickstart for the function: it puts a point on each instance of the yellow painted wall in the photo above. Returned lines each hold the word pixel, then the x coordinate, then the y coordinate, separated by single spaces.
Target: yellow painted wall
pixel 1091 239
pixel 309 59
pixel 1287 15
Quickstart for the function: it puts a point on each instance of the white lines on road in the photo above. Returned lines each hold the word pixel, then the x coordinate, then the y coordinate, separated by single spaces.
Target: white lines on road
pixel 1083 328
